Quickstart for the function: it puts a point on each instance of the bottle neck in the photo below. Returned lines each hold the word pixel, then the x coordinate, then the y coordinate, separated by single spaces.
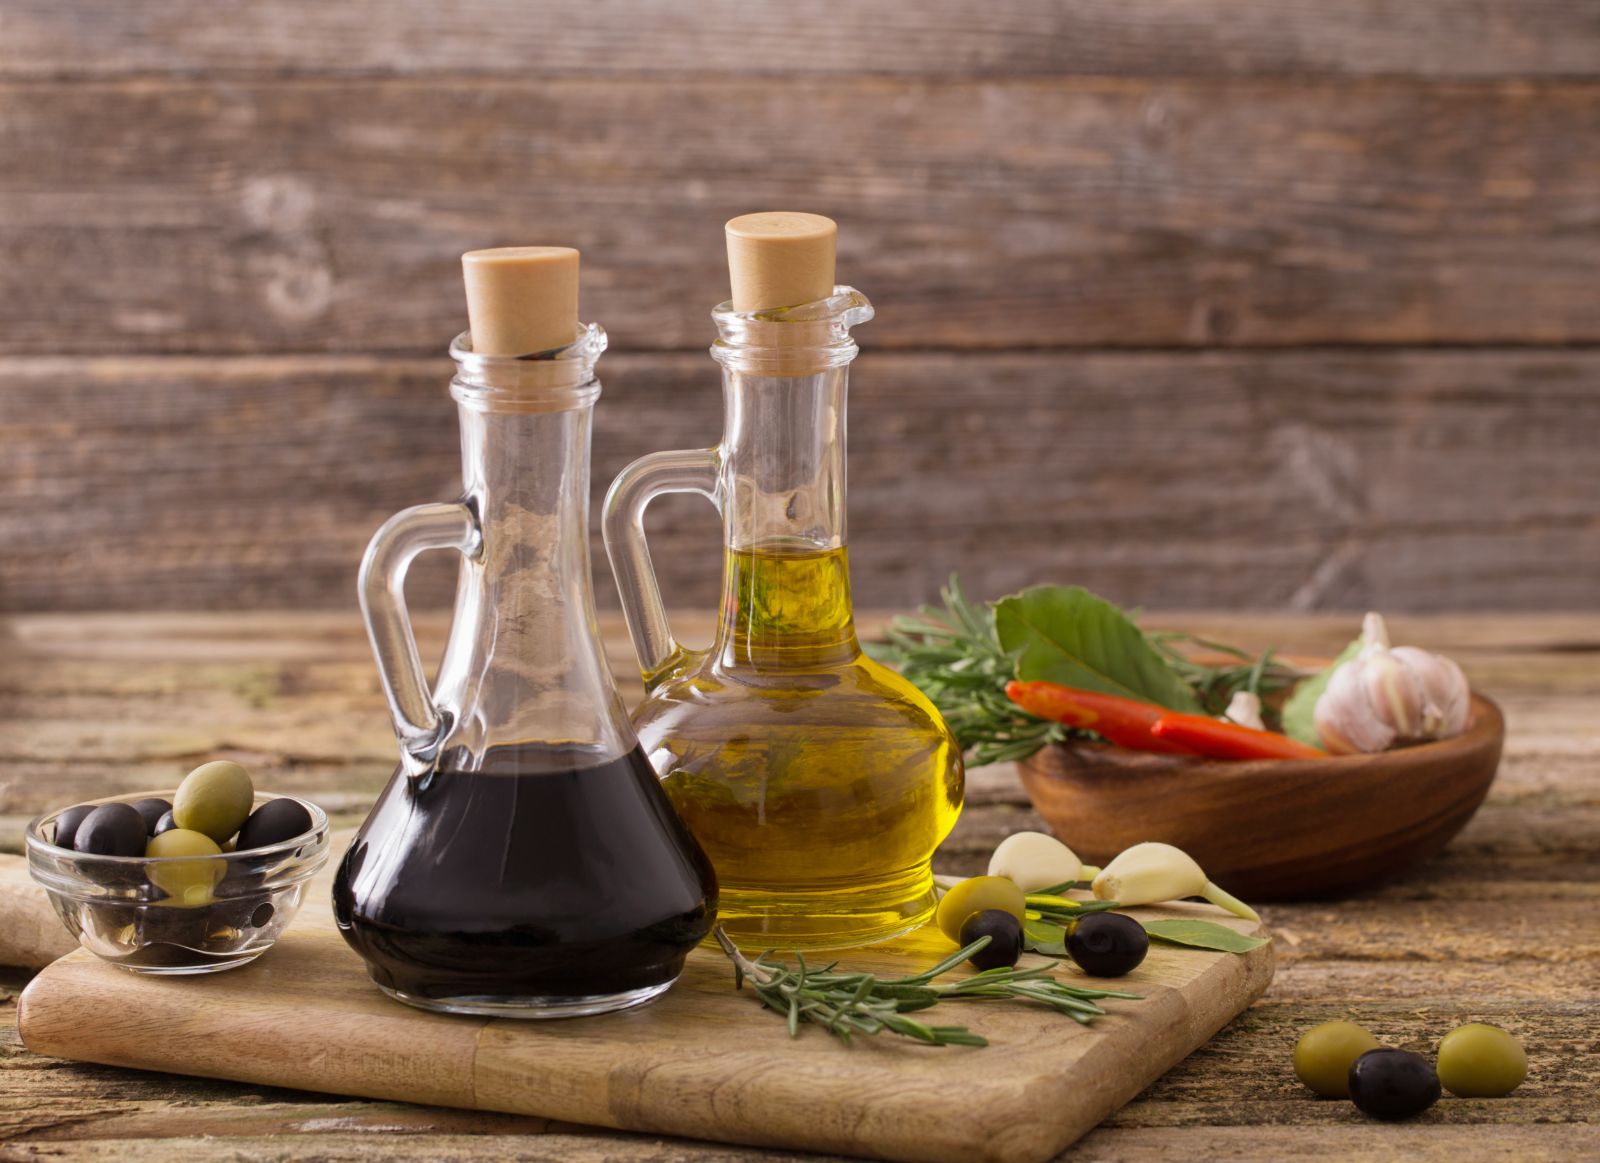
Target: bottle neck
pixel 524 662
pixel 786 582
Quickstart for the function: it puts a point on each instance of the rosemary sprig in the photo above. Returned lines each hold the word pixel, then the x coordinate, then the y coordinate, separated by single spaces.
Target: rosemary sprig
pixel 846 1004
pixel 953 657
pixel 1216 685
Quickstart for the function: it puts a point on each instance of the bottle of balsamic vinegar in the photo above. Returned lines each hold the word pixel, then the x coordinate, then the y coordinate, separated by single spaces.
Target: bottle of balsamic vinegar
pixel 524 860
pixel 818 781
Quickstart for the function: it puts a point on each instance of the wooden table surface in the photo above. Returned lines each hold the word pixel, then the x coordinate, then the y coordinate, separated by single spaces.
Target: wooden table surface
pixel 1503 927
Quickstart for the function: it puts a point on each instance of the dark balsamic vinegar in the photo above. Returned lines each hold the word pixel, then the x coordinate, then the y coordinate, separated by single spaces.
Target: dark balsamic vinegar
pixel 538 876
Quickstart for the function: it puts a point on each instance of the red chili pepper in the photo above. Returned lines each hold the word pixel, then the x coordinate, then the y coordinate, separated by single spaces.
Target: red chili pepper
pixel 1125 722
pixel 1222 740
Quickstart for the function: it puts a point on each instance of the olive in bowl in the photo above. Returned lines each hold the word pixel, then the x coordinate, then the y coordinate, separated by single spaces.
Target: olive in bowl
pixel 181 903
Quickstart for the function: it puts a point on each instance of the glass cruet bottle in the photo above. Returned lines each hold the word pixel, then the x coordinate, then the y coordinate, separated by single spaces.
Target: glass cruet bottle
pixel 523 860
pixel 818 781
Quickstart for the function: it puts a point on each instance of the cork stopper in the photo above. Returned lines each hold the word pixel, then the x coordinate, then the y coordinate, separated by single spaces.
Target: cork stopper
pixel 780 259
pixel 521 299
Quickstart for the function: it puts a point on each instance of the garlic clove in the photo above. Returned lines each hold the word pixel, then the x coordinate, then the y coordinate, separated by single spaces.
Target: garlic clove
pixel 1344 721
pixel 1034 861
pixel 1394 693
pixel 1151 873
pixel 1148 873
pixel 1245 709
pixel 1445 690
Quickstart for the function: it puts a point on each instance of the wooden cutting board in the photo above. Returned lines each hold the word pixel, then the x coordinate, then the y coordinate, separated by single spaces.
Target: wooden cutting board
pixel 704 1061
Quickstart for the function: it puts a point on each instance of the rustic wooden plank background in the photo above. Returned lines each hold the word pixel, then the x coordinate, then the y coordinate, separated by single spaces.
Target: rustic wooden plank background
pixel 1200 302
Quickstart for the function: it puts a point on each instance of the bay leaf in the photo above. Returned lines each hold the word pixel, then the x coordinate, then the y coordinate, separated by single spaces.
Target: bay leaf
pixel 1203 935
pixel 1067 635
pixel 1044 937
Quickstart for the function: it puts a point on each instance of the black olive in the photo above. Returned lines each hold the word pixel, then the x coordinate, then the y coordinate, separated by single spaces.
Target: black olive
pixel 68 823
pixel 272 823
pixel 1393 1084
pixel 1005 938
pixel 152 810
pixel 165 824
pixel 111 830
pixel 1108 944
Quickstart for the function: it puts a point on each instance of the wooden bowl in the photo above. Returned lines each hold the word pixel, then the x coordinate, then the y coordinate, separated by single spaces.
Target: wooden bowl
pixel 1272 829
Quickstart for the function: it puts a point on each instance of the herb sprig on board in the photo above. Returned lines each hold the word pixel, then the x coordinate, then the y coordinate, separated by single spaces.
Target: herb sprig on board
pixel 847 1004
pixel 962 656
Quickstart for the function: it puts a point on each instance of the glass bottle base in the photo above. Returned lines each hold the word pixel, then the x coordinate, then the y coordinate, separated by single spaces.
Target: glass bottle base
pixel 533 1008
pixel 832 917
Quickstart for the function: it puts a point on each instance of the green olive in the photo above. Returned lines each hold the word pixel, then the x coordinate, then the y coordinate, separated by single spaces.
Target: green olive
pixel 1481 1061
pixel 975 895
pixel 1325 1053
pixel 187 882
pixel 214 798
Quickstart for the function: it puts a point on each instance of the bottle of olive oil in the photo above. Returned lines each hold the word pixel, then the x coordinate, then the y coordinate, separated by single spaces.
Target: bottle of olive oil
pixel 817 781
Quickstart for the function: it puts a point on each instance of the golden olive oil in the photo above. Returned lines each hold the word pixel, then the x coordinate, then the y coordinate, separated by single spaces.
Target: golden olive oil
pixel 818 781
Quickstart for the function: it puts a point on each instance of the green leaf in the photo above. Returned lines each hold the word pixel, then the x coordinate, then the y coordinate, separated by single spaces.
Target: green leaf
pixel 1299 711
pixel 1067 635
pixel 1043 937
pixel 1203 935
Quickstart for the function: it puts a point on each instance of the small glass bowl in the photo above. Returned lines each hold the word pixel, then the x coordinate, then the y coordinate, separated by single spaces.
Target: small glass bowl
pixel 117 912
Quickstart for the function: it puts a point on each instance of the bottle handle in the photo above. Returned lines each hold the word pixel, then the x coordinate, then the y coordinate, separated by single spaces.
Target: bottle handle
pixel 687 471
pixel 419 724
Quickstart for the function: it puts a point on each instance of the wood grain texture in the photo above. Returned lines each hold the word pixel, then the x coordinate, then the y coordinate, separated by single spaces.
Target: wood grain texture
pixel 1503 926
pixel 1436 38
pixel 1346 479
pixel 31 935
pixel 702 1061
pixel 1027 177
pixel 329 214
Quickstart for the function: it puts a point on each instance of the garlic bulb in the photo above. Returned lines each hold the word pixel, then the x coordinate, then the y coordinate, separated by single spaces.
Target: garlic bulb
pixel 1386 696
pixel 1034 861
pixel 1150 873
